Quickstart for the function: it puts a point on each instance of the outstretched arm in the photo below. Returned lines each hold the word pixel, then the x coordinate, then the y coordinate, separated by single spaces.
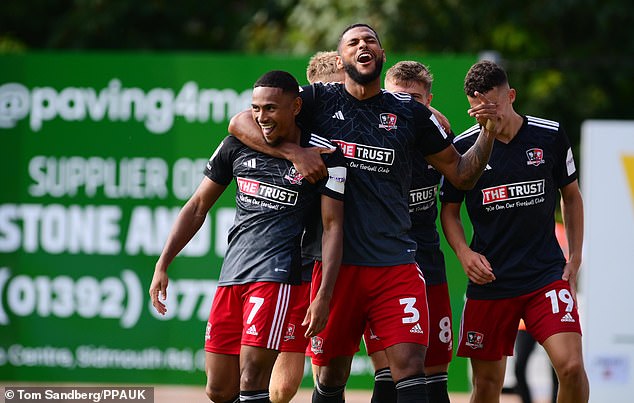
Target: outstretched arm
pixel 572 208
pixel 475 265
pixel 332 252
pixel 307 161
pixel 189 220
pixel 463 171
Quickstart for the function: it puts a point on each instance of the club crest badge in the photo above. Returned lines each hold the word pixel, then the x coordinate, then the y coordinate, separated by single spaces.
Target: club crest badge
pixel 290 332
pixel 317 345
pixel 475 340
pixel 388 121
pixel 535 156
pixel 293 176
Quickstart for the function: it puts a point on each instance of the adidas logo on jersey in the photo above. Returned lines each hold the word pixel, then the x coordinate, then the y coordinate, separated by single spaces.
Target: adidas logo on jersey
pixel 338 115
pixel 568 318
pixel 250 163
pixel 252 331
pixel 417 329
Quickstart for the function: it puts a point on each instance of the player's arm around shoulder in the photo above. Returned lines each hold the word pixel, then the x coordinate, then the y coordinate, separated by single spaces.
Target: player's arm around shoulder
pixel 307 161
pixel 243 127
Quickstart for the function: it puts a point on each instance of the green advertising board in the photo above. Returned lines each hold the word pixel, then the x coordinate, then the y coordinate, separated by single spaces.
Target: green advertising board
pixel 98 153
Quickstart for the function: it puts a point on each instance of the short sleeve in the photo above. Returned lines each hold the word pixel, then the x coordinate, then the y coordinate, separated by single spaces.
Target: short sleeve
pixel 334 184
pixel 565 170
pixel 219 168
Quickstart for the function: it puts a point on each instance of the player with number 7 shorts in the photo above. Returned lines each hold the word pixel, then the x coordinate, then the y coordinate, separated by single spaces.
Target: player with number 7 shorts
pixel 261 271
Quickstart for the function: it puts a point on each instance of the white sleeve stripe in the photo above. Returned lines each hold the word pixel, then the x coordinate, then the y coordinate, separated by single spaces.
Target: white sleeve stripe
pixel 320 142
pixel 475 129
pixel 543 126
pixel 540 120
pixel 432 117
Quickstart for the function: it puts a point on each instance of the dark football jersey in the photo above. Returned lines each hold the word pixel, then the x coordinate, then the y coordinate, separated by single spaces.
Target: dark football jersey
pixel 377 136
pixel 423 210
pixel 272 203
pixel 512 207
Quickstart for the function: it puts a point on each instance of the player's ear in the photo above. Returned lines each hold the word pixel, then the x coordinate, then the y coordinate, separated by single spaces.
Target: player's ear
pixel 339 63
pixel 512 94
pixel 297 105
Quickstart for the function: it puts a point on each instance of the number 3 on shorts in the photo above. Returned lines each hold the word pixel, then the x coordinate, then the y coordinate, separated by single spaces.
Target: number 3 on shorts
pixel 409 309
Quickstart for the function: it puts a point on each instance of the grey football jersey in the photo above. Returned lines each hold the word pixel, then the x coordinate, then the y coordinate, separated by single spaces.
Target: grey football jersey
pixel 272 203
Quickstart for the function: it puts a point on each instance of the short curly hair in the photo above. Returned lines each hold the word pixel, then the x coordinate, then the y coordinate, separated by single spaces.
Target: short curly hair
pixel 483 77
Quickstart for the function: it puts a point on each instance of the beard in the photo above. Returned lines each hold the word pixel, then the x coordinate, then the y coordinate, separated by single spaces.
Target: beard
pixel 363 79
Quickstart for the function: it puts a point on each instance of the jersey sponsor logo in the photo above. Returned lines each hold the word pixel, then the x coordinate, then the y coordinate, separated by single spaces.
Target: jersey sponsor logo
pixel 388 121
pixel 317 345
pixel 422 195
pixel 208 332
pixel 361 152
pixel 293 176
pixel 416 329
pixel 512 191
pixel 475 340
pixel 568 318
pixel 290 332
pixel 267 191
pixel 252 330
pixel 535 156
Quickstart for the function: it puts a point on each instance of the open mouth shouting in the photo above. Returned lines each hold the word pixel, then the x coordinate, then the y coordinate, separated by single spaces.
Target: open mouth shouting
pixel 365 57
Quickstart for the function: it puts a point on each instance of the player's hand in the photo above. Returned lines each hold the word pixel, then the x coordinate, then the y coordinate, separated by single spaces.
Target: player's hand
pixel 485 113
pixel 476 267
pixel 570 275
pixel 442 119
pixel 316 316
pixel 158 290
pixel 309 163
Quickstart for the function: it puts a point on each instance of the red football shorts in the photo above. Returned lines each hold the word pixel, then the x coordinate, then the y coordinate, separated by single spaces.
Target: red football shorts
pixel 251 314
pixel 489 327
pixel 392 300
pixel 440 349
pixel 294 340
